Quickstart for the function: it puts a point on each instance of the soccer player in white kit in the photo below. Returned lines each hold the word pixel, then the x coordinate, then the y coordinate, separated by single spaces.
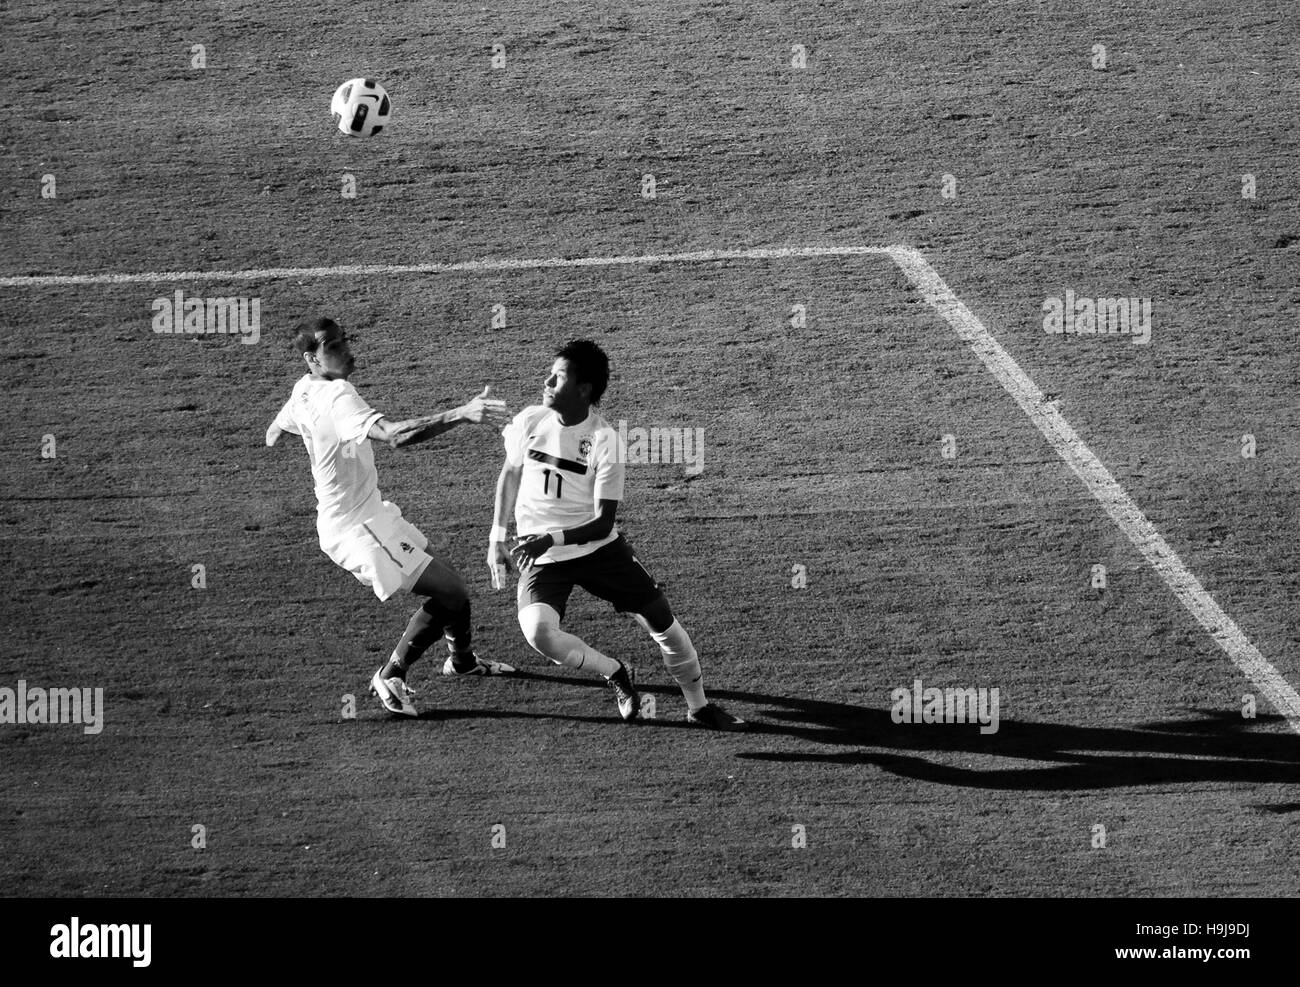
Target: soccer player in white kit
pixel 563 480
pixel 358 529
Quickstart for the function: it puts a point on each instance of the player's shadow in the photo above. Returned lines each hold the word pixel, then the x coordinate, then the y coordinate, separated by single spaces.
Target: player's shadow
pixel 1215 746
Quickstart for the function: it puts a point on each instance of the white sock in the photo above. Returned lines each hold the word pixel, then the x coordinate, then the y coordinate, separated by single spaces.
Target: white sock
pixel 578 654
pixel 541 626
pixel 682 662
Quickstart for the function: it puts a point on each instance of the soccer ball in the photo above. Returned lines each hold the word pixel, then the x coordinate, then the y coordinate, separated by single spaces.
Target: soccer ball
pixel 361 107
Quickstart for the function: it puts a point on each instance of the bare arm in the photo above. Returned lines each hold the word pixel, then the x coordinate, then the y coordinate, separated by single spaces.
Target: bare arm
pixel 498 557
pixel 507 494
pixel 413 430
pixel 482 410
pixel 273 434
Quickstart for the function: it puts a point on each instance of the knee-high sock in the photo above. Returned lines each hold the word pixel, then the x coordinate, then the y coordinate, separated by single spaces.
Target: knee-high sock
pixel 426 625
pixel 423 629
pixel 681 660
pixel 457 630
pixel 541 627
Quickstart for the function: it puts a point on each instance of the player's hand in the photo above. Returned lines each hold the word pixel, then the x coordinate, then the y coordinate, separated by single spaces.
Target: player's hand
pixel 499 564
pixel 485 410
pixel 529 549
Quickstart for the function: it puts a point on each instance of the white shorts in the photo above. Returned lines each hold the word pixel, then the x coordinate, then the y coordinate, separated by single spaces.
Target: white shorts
pixel 386 551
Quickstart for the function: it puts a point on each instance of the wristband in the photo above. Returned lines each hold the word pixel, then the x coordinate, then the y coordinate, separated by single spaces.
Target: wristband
pixel 498 534
pixel 557 536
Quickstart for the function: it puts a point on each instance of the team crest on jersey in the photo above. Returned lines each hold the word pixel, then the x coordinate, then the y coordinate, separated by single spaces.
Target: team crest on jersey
pixel 407 548
pixel 584 447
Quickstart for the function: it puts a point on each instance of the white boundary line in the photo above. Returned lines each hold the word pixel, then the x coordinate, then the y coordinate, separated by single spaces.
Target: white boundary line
pixel 1121 508
pixel 471 266
pixel 1043 413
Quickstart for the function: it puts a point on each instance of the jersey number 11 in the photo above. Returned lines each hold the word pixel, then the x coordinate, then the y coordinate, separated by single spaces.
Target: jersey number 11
pixel 546 483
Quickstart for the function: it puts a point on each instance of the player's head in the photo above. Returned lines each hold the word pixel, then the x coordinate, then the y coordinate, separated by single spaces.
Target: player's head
pixel 324 348
pixel 577 379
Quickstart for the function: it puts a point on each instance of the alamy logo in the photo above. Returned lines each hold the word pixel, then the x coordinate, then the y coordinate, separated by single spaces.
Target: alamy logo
pixel 934 705
pixel 38 705
pixel 208 316
pixel 93 941
pixel 662 445
pixel 1103 316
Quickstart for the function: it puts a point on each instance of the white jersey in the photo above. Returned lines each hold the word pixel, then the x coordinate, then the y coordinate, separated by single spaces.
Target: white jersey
pixel 567 471
pixel 334 422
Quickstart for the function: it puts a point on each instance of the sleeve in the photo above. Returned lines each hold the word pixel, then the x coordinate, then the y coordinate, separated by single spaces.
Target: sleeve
pixel 353 418
pixel 608 459
pixel 513 435
pixel 285 421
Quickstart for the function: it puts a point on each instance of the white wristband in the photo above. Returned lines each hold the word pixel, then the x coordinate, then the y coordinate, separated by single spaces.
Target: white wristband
pixel 498 534
pixel 557 536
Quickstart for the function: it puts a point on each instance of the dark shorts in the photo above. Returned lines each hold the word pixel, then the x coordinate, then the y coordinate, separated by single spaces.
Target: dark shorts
pixel 611 572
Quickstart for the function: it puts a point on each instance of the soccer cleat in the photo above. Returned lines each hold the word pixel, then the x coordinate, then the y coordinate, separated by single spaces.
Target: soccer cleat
pixel 629 703
pixel 482 666
pixel 715 717
pixel 393 693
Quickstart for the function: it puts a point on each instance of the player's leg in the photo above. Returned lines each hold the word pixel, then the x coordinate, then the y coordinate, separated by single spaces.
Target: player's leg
pixel 679 654
pixel 447 595
pixel 542 630
pixel 386 553
pixel 541 626
pixel 542 597
pixel 444 614
pixel 683 664
pixel 447 587
pixel 617 575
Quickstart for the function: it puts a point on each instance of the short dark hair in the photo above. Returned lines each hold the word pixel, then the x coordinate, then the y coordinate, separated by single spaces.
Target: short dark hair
pixel 304 334
pixel 588 363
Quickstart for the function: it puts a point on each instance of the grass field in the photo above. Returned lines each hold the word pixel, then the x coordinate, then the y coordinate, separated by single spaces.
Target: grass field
pixel 824 444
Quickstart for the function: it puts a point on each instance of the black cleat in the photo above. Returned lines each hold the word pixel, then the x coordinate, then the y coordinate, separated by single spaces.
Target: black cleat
pixel 715 717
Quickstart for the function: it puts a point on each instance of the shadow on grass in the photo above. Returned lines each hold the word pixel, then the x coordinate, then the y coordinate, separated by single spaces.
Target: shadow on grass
pixel 1208 746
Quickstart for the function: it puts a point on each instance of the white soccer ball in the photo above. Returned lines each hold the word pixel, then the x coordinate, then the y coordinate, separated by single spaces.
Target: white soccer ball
pixel 361 107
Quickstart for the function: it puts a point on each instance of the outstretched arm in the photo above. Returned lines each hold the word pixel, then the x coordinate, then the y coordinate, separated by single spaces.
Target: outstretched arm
pixel 481 410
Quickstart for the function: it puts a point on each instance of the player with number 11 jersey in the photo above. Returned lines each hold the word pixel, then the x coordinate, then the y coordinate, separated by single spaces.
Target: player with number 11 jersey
pixel 567 471
pixel 563 480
